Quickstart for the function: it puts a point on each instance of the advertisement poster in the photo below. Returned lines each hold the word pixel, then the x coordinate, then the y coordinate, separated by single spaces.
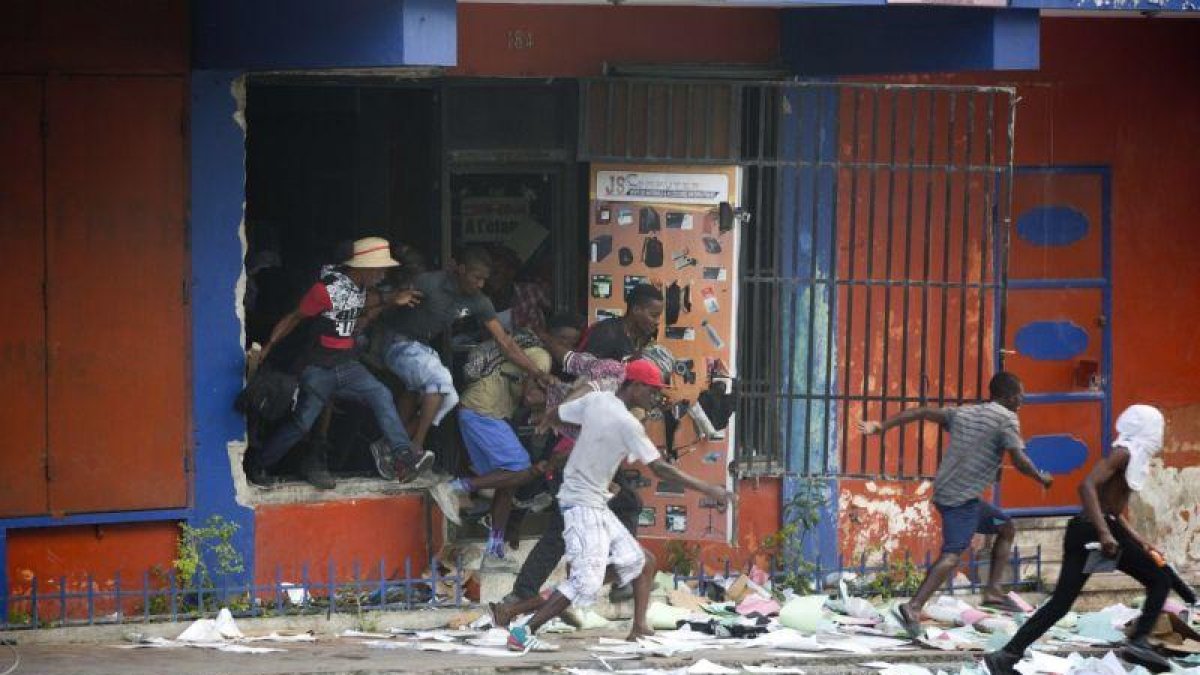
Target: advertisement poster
pixel 659 225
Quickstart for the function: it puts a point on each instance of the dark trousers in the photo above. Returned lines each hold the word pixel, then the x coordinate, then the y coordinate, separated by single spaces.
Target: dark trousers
pixel 1134 561
pixel 318 385
pixel 550 548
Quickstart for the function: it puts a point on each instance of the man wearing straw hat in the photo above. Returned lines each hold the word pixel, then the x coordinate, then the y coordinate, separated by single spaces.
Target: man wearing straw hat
pixel 338 303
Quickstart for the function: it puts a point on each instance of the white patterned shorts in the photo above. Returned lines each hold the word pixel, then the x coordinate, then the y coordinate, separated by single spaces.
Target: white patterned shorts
pixel 594 540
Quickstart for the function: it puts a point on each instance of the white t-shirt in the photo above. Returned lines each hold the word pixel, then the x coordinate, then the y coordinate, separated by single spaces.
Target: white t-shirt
pixel 610 434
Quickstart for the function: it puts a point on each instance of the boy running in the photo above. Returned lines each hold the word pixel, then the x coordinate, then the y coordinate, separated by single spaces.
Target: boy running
pixel 980 435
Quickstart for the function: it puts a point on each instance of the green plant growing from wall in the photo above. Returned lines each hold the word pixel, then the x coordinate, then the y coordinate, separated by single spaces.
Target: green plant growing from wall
pixel 801 515
pixel 900 578
pixel 196 544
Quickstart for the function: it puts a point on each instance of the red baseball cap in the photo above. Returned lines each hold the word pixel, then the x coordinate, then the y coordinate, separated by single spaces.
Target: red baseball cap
pixel 645 372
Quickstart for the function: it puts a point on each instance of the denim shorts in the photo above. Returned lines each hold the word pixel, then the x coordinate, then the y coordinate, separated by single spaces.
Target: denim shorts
pixel 960 523
pixel 421 370
pixel 491 443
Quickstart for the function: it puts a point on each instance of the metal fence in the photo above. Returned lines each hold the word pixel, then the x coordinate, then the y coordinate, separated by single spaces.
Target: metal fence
pixel 871 276
pixel 158 596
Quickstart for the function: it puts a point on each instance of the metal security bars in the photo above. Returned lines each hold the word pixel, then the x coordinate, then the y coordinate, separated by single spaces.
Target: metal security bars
pixel 869 281
pixel 871 275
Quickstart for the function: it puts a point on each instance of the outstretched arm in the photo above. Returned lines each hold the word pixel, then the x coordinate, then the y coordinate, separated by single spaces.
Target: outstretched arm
pixel 1025 465
pixel 924 413
pixel 670 472
pixel 513 352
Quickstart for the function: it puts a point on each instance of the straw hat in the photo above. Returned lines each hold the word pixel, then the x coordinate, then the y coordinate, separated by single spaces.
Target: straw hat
pixel 372 252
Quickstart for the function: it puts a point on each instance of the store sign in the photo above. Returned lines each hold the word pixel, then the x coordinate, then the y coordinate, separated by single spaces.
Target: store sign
pixel 503 220
pixel 666 188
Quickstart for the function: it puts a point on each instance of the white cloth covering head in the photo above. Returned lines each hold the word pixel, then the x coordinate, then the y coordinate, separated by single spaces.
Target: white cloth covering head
pixel 1140 431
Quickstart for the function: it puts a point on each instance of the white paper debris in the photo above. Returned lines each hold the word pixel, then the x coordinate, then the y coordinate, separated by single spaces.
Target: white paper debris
pixel 706 667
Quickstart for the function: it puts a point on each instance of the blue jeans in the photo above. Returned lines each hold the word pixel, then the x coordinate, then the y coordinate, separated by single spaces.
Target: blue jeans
pixel 318 385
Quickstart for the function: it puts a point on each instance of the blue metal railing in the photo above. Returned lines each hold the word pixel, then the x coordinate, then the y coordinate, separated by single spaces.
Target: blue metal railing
pixel 886 565
pixel 159 596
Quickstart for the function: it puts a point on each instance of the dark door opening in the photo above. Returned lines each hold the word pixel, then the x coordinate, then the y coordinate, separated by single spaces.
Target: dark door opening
pixel 433 165
pixel 326 165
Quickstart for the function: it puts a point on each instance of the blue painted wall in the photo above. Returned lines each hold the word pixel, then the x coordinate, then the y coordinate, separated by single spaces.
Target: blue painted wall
pixel 268 34
pixel 217 193
pixel 808 132
pixel 229 38
pixel 824 41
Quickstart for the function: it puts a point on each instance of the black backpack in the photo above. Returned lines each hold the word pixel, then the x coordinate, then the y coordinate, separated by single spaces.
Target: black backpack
pixel 718 404
pixel 652 252
pixel 648 220
pixel 268 395
pixel 673 298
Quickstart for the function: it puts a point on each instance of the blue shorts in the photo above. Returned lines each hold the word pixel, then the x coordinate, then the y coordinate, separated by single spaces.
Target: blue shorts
pixel 961 523
pixel 491 443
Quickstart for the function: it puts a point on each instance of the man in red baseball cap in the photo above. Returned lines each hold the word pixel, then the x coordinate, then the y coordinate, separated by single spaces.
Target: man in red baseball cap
pixel 598 545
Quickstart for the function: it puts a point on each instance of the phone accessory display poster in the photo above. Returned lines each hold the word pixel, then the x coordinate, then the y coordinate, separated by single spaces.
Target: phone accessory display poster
pixel 660 225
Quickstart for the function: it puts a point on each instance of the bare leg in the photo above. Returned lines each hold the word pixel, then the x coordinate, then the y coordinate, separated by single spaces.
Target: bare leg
pixel 641 598
pixel 502 478
pixel 429 406
pixel 934 579
pixel 407 406
pixel 556 604
pixel 503 614
pixel 1001 548
pixel 501 507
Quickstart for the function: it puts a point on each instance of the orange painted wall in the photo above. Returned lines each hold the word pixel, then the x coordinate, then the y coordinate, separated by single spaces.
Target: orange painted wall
pixel 49 555
pixel 759 504
pixel 1115 92
pixel 358 531
pixel 575 41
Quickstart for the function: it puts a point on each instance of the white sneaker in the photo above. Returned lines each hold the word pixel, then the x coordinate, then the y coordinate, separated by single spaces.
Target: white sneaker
pixel 447 500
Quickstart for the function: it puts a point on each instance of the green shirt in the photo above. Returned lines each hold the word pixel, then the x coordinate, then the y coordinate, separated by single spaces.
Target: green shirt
pixel 499 394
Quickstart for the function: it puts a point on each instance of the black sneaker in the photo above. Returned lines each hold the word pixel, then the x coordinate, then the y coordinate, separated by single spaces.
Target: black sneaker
pixel 258 477
pixel 385 462
pixel 415 462
pixel 1001 662
pixel 315 471
pixel 1140 653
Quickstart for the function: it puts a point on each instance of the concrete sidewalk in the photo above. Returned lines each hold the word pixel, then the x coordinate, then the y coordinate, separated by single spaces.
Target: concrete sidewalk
pixel 348 655
pixel 94 650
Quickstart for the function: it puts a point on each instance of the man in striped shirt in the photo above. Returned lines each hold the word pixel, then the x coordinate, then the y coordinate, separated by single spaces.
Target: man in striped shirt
pixel 980 436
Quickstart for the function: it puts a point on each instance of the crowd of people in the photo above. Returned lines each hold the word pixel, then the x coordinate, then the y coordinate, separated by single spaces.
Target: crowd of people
pixel 587 389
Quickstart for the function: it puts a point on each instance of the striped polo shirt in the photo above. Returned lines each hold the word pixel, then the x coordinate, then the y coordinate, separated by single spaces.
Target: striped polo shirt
pixel 979 436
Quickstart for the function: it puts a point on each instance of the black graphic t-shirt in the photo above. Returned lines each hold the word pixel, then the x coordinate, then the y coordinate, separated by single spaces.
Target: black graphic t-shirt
pixel 442 304
pixel 336 302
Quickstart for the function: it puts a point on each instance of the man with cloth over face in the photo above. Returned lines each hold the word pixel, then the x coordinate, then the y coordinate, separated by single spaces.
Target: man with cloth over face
pixel 1103 525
